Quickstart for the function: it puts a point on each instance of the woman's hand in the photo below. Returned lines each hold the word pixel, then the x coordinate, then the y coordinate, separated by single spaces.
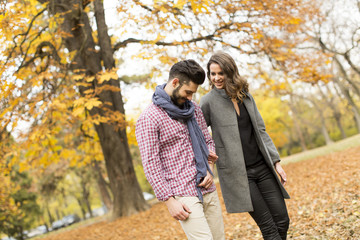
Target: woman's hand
pixel 212 158
pixel 281 172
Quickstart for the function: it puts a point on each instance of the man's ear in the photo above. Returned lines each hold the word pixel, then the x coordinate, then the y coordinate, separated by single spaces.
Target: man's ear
pixel 175 82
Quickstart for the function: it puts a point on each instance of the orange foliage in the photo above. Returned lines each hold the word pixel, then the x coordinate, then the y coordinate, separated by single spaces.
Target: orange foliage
pixel 324 204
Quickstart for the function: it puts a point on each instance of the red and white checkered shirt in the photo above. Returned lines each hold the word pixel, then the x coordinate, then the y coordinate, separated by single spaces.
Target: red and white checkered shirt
pixel 167 154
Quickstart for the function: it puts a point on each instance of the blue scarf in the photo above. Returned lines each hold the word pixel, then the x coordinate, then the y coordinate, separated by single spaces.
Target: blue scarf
pixel 162 99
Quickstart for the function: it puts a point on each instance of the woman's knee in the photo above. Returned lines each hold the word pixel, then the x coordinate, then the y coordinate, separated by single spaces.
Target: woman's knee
pixel 283 223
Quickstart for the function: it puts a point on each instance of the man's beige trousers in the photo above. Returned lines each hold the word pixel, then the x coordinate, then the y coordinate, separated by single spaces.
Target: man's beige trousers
pixel 205 221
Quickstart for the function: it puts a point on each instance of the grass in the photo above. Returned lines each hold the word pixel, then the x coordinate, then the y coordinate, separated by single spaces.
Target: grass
pixel 321 151
pixel 82 223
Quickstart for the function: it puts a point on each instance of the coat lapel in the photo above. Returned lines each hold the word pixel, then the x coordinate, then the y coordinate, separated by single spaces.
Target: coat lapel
pixel 250 108
pixel 249 104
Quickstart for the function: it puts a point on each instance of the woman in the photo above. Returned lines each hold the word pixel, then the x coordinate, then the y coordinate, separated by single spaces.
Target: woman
pixel 248 160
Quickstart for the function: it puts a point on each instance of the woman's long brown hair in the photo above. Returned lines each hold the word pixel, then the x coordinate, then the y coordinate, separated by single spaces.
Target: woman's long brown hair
pixel 235 86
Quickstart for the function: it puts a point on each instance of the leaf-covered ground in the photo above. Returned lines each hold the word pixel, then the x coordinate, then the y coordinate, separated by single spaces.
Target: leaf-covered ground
pixel 325 204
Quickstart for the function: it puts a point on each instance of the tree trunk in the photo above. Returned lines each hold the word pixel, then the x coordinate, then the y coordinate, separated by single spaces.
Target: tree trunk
pixel 85 196
pixel 326 134
pixel 346 93
pixel 102 186
pixel 324 131
pixel 128 198
pixel 299 132
pixel 297 125
pixel 20 236
pixel 291 141
pixel 45 223
pixel 83 211
pixel 336 113
pixel 322 118
pixel 58 216
pixel 51 219
pixel 356 117
pixel 62 191
pixel 337 117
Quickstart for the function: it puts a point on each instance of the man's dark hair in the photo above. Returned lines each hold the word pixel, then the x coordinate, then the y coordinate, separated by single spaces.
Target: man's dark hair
pixel 187 70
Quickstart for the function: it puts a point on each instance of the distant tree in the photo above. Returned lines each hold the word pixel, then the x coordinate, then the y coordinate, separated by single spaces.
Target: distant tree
pixel 27 209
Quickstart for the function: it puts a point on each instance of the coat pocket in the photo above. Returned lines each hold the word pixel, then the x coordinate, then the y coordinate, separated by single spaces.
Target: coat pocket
pixel 221 162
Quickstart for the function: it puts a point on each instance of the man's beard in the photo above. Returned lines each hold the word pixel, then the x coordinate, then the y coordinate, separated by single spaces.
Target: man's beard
pixel 175 97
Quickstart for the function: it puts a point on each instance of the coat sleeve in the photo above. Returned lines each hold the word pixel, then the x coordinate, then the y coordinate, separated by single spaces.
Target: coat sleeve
pixel 275 157
pixel 205 108
pixel 203 126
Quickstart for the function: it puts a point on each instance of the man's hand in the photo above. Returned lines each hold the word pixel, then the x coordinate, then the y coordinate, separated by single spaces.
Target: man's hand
pixel 208 180
pixel 281 172
pixel 178 210
pixel 212 158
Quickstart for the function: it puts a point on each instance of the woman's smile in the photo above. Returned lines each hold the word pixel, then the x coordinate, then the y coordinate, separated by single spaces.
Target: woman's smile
pixel 217 75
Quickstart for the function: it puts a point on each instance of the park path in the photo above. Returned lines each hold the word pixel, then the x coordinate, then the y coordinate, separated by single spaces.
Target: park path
pixel 324 204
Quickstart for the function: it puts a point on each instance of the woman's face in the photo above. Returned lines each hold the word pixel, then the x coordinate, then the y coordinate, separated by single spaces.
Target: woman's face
pixel 217 76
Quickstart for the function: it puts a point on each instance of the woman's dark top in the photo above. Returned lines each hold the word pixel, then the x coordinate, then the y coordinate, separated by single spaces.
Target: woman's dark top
pixel 251 151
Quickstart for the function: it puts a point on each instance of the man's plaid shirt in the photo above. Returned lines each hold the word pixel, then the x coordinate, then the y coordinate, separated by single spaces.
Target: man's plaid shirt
pixel 167 154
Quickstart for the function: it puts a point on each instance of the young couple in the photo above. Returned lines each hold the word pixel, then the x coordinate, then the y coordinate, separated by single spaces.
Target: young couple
pixel 178 153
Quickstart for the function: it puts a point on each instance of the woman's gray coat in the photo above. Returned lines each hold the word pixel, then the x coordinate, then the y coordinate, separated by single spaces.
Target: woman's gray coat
pixel 220 114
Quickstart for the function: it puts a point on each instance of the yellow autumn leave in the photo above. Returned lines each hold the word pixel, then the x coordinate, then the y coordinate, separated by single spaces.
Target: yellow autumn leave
pixel 92 102
pixel 107 76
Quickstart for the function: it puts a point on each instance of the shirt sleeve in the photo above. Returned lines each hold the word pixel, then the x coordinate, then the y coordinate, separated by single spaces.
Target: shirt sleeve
pixel 147 136
pixel 202 123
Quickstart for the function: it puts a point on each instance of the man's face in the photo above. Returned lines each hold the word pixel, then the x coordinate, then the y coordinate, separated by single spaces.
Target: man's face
pixel 183 93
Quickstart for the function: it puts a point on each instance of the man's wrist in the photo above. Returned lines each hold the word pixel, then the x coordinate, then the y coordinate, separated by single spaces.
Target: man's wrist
pixel 169 199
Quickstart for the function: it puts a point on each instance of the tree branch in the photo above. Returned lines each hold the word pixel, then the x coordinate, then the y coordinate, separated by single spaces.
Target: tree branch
pixel 124 43
pixel 22 34
pixel 41 54
pixel 103 36
pixel 352 65
pixel 346 55
pixel 143 6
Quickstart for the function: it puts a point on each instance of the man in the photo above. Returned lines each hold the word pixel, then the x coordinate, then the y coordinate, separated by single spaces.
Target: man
pixel 177 153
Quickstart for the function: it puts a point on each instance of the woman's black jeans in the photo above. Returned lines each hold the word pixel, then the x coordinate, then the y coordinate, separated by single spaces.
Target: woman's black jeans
pixel 270 212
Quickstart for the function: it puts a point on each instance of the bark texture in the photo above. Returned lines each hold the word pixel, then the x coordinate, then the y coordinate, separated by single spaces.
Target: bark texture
pixel 102 186
pixel 128 198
